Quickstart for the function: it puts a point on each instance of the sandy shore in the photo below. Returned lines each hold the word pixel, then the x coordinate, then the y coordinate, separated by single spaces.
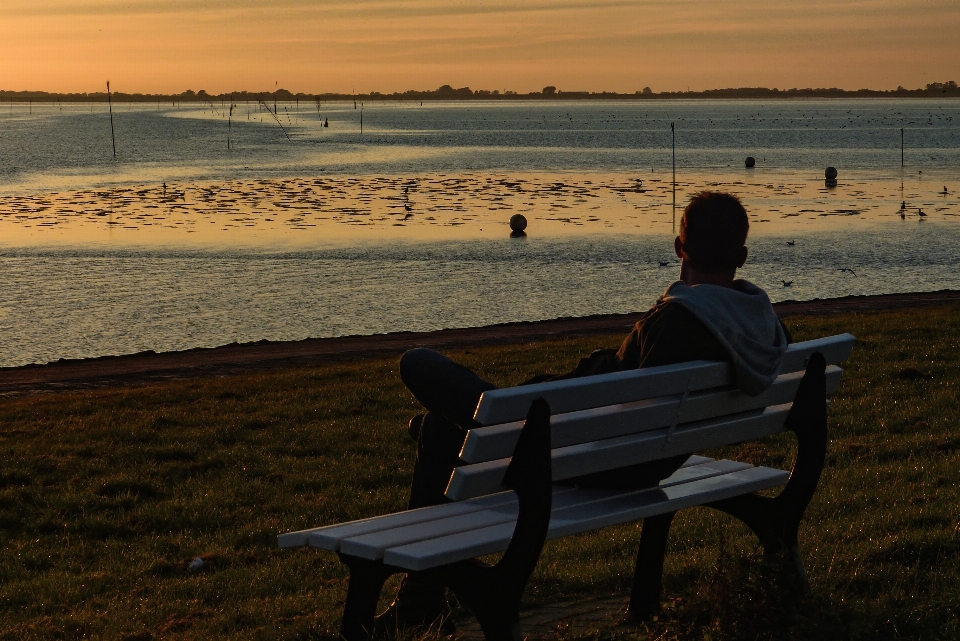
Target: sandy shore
pixel 265 355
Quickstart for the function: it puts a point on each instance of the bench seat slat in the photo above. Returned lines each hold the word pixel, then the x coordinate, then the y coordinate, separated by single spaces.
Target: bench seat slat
pixel 511 404
pixel 498 441
pixel 587 458
pixel 329 537
pixel 372 546
pixel 611 510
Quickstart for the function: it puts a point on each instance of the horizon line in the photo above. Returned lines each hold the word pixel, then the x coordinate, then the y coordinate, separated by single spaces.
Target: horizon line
pixel 447 92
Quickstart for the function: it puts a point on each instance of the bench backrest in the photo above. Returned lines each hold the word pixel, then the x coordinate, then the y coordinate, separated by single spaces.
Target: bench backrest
pixel 612 420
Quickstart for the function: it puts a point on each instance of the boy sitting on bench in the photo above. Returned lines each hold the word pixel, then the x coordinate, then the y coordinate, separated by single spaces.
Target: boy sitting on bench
pixel 706 315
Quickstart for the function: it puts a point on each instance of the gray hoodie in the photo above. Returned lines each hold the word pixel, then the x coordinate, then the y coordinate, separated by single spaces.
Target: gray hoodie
pixel 744 322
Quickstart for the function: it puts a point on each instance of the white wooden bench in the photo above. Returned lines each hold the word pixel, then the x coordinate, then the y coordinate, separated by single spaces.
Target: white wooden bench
pixel 580 426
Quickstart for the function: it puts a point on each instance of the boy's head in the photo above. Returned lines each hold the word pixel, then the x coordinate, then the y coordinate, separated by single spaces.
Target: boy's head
pixel 713 233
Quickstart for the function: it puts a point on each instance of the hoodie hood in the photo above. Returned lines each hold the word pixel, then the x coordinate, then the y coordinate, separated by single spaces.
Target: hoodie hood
pixel 744 322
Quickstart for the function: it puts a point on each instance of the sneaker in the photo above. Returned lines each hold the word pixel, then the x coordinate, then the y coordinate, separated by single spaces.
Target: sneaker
pixel 419 606
pixel 416 423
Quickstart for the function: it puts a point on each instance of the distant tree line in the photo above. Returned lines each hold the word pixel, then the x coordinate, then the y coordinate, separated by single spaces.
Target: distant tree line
pixel 446 92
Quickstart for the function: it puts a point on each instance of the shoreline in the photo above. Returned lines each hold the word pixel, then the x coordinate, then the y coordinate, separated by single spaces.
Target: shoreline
pixel 225 360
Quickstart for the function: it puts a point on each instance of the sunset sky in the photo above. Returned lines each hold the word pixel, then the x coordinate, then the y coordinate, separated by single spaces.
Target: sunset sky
pixel 521 45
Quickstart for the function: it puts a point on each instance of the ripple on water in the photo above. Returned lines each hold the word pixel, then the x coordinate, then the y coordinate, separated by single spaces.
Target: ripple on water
pixel 81 302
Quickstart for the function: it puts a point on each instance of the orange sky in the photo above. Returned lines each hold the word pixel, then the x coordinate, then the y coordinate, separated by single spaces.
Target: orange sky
pixel 520 45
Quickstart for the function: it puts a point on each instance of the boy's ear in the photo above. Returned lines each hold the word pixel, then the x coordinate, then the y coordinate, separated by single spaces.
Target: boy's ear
pixel 678 247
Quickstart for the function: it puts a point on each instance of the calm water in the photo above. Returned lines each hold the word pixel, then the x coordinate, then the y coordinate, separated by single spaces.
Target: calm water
pixel 55 146
pixel 67 296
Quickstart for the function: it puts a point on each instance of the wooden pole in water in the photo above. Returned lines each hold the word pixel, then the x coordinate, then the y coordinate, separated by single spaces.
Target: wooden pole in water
pixel 361 118
pixel 113 137
pixel 230 123
pixel 903 203
pixel 673 135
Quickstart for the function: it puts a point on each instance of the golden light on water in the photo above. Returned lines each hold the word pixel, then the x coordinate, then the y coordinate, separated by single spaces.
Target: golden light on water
pixel 343 210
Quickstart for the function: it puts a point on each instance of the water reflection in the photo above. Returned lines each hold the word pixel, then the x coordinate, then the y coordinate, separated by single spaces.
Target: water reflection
pixel 183 243
pixel 83 302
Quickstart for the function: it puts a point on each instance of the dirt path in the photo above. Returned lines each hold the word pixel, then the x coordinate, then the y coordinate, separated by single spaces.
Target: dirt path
pixel 265 355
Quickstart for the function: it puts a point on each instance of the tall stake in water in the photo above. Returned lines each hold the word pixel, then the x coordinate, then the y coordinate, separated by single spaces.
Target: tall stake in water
pixel 113 137
pixel 361 118
pixel 673 134
pixel 903 203
pixel 230 123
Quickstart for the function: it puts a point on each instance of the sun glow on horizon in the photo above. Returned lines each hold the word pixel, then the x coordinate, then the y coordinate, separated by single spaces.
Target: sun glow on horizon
pixel 153 46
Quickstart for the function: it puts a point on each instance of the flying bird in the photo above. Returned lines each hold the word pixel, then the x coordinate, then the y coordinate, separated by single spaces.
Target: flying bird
pixel 663 263
pixel 846 269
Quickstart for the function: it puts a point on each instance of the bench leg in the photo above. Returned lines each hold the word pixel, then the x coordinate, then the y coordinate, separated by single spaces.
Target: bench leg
pixel 493 593
pixel 648 574
pixel 776 521
pixel 366 583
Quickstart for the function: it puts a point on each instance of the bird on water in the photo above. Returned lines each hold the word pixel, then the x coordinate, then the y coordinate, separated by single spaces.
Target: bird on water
pixel 787 283
pixel 791 242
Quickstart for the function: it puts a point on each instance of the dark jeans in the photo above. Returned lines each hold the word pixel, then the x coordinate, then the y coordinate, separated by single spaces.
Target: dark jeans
pixel 450 392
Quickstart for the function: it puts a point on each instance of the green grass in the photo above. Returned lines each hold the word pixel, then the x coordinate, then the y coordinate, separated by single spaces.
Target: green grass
pixel 106 496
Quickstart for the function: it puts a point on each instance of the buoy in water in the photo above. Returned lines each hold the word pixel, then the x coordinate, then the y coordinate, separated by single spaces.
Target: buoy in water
pixel 830 173
pixel 750 161
pixel 518 222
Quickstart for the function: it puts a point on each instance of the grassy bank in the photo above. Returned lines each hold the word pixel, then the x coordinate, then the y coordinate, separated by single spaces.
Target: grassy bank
pixel 106 496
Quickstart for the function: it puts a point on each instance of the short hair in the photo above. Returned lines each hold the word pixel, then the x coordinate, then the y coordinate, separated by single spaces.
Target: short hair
pixel 713 231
